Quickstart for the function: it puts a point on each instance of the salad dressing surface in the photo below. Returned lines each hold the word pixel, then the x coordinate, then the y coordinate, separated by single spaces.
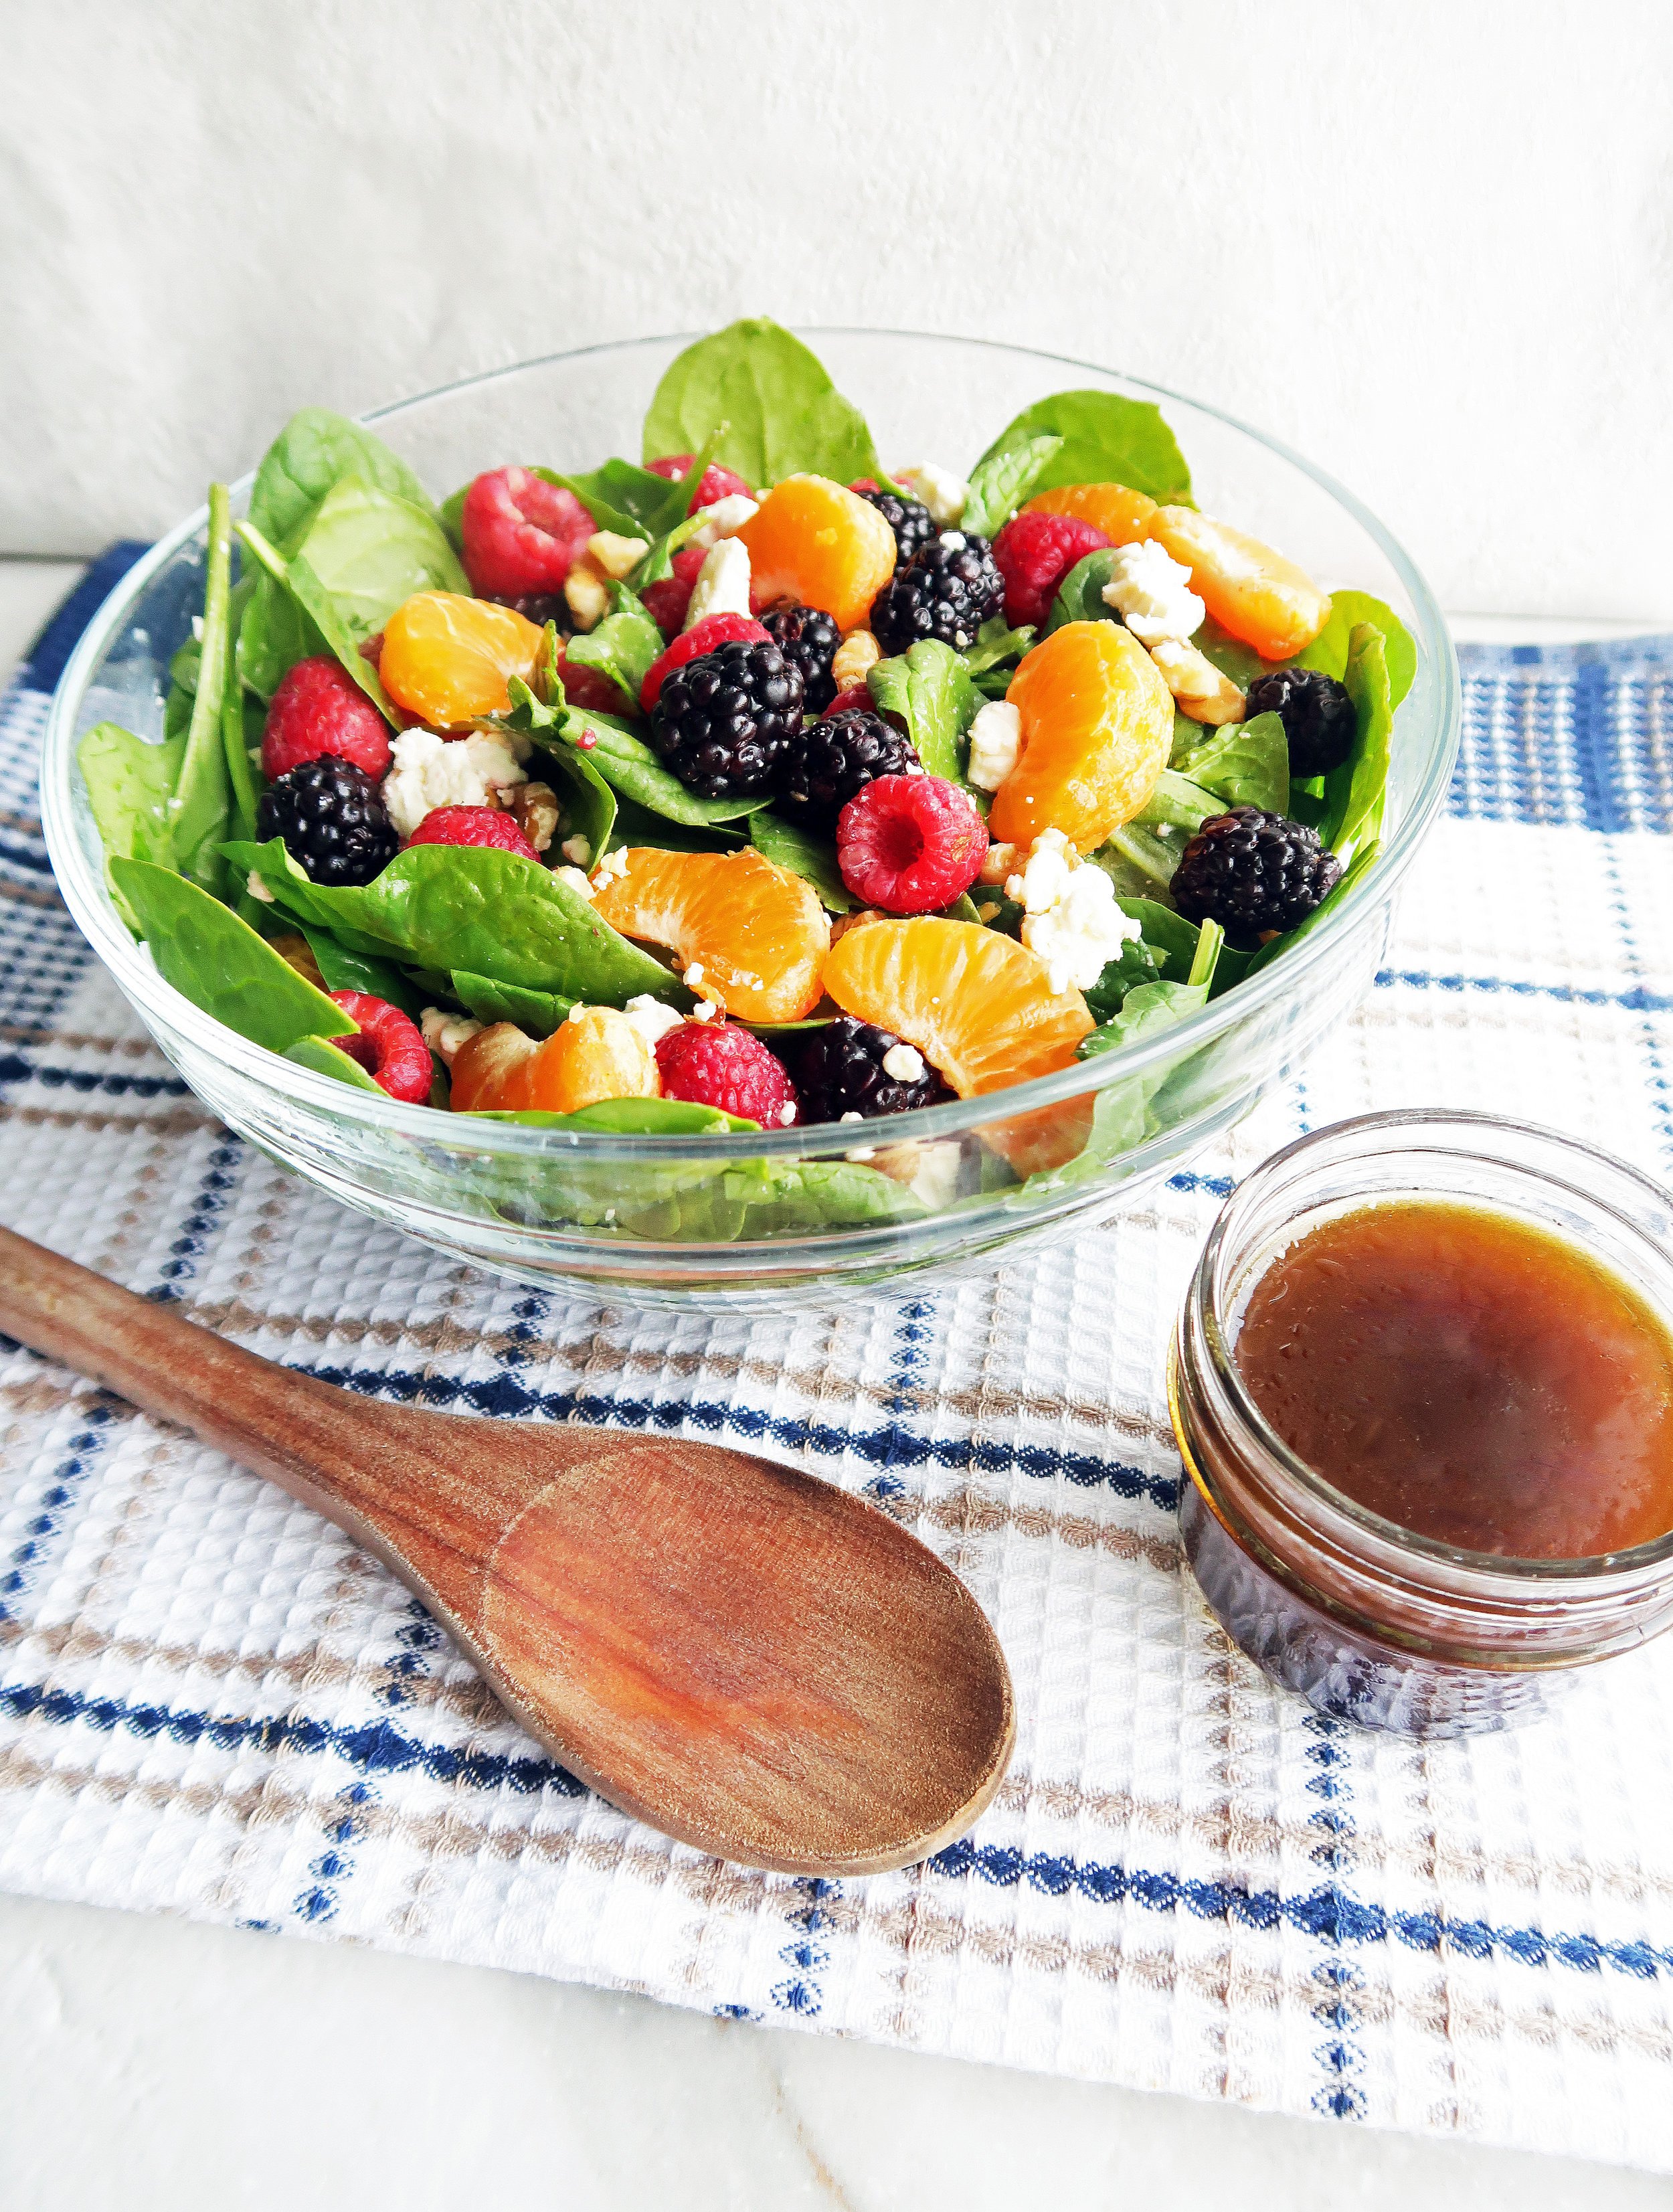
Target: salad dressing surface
pixel 1473 1378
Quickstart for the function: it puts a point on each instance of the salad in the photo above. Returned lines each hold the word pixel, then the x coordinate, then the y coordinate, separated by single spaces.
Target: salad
pixel 747 785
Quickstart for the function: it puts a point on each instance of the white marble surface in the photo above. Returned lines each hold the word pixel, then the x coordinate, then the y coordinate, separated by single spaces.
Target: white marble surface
pixel 151 2062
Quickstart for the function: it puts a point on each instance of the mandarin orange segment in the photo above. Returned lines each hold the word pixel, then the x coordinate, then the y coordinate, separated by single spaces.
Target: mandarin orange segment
pixel 1097 729
pixel 446 658
pixel 1124 516
pixel 748 935
pixel 598 1054
pixel 978 1006
pixel 1251 591
pixel 817 542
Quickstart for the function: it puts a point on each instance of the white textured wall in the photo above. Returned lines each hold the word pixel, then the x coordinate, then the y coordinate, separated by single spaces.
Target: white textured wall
pixel 1430 242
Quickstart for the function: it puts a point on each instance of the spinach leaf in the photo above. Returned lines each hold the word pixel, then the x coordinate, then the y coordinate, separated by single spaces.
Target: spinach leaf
pixel 771 402
pixel 930 688
pixel 1176 803
pixel 326 623
pixel 540 1013
pixel 1328 650
pixel 1152 857
pixel 787 845
pixel 130 784
pixel 659 561
pixel 241 774
pixel 314 450
pixel 589 803
pixel 628 766
pixel 220 963
pixel 1080 595
pixel 1169 938
pixel 1210 942
pixel 475 910
pixel 621 496
pixel 1230 655
pixel 1359 866
pixel 325 1058
pixel 342 970
pixel 372 550
pixel 632 1117
pixel 1105 440
pixel 1002 480
pixel 640 825
pixel 1354 793
pixel 1119 1112
pixel 623 646
pixel 1153 1007
pixel 1133 966
pixel 450 515
pixel 996 645
pixel 1245 764
pixel 200 806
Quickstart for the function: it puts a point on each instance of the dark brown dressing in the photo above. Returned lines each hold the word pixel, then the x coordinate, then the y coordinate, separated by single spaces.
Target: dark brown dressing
pixel 1474 1378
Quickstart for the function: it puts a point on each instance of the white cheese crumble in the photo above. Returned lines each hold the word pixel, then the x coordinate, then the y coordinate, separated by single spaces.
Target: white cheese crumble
pixel 704 1010
pixel 723 519
pixel 1045 875
pixel 613 864
pixel 851 1116
pixel 258 890
pixel 996 740
pixel 904 1063
pixel 693 977
pixel 723 582
pixel 652 1018
pixel 577 882
pixel 429 771
pixel 445 1033
pixel 944 494
pixel 615 554
pixel 1151 592
pixel 577 850
pixel 1078 930
pixel 786 1113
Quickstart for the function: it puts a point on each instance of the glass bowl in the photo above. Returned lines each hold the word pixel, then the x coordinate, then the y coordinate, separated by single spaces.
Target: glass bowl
pixel 793 1214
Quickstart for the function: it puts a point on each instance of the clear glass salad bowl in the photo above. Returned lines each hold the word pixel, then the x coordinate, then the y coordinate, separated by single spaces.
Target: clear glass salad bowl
pixel 756 1220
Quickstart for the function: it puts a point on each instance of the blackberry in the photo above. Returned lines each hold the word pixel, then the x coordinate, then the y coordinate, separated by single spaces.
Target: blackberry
pixel 828 761
pixel 948 592
pixel 810 639
pixel 1252 873
pixel 841 1071
pixel 913 525
pixel 537 607
pixel 332 820
pixel 722 721
pixel 1317 713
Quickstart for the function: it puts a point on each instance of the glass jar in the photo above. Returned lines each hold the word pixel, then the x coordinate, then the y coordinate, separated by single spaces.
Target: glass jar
pixel 1365 1620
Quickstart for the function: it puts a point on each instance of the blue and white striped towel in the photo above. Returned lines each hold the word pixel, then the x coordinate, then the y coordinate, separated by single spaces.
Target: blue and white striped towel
pixel 210 1703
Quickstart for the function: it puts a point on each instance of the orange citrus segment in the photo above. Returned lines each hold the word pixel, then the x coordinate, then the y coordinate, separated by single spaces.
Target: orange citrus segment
pixel 1124 516
pixel 978 1006
pixel 817 542
pixel 446 658
pixel 1097 729
pixel 1251 591
pixel 750 936
pixel 597 1053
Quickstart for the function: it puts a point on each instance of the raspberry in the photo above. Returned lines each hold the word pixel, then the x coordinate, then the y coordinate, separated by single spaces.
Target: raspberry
pixel 722 721
pixel 472 826
pixel 389 1047
pixel 1034 553
pixel 841 1071
pixel 714 483
pixel 521 534
pixel 913 525
pixel 318 709
pixel 702 637
pixel 856 695
pixel 948 592
pixel 1252 873
pixel 1317 713
pixel 910 844
pixel 810 639
pixel 334 823
pixel 666 601
pixel 718 1064
pixel 829 762
pixel 589 689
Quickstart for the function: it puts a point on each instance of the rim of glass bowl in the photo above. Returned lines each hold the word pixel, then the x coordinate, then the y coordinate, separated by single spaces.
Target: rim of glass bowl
pixel 1210 1282
pixel 90 904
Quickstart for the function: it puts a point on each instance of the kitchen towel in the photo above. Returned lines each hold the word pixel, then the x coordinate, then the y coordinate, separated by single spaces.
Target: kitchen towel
pixel 211 1704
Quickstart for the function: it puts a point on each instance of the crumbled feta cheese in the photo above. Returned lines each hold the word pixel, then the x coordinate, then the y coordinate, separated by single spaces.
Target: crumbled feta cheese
pixel 430 771
pixel 1203 692
pixel 851 1116
pixel 930 1172
pixel 258 890
pixel 1045 876
pixel 1081 932
pixel 1151 592
pixel 903 1062
pixel 861 1152
pixel 944 494
pixel 577 850
pixel 996 738
pixel 693 977
pixel 577 882
pixel 616 555
pixel 584 594
pixel 723 582
pixel 723 519
pixel 613 864
pixel 704 1010
pixel 197 628
pixel 445 1033
pixel 954 540
pixel 786 1113
pixel 652 1018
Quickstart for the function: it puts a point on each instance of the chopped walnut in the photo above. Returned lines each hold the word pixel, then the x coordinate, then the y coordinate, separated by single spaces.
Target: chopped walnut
pixel 299 953
pixel 1002 861
pixel 858 652
pixel 1201 692
pixel 584 594
pixel 842 923
pixel 445 1033
pixel 615 555
pixel 534 808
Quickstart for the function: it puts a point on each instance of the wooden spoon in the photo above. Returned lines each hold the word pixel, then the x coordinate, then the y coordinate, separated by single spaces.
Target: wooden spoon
pixel 729 1649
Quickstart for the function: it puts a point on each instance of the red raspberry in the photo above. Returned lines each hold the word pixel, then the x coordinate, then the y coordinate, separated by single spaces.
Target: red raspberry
pixel 718 1064
pixel 319 708
pixel 666 603
pixel 590 690
pixel 522 535
pixel 389 1047
pixel 845 702
pixel 691 644
pixel 910 844
pixel 472 826
pixel 714 483
pixel 1034 553
pixel 865 483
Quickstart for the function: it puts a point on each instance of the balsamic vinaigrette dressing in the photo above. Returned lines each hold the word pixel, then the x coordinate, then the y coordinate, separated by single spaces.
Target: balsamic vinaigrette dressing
pixel 1477 1380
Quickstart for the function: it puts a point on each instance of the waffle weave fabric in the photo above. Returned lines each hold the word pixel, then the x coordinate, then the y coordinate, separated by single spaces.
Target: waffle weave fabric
pixel 211 1704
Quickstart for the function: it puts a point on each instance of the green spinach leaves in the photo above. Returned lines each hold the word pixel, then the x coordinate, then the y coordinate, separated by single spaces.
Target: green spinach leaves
pixel 764 402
